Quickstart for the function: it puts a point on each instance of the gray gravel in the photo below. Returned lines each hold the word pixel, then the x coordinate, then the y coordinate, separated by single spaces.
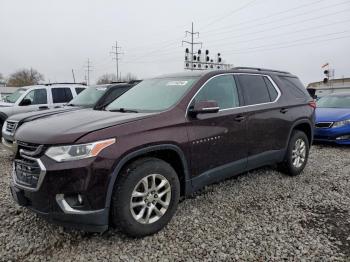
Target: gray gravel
pixel 262 215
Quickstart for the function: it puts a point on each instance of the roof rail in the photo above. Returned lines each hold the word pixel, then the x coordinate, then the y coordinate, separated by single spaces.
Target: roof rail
pixel 259 69
pixel 127 82
pixel 64 83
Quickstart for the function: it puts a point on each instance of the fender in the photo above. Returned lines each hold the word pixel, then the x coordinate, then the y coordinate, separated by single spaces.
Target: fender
pixel 298 122
pixel 3 116
pixel 125 159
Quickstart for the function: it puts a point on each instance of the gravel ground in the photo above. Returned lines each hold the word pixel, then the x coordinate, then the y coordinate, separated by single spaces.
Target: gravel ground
pixel 261 215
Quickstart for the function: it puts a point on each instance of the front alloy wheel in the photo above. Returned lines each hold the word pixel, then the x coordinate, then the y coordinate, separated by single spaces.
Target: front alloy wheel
pixel 150 199
pixel 145 197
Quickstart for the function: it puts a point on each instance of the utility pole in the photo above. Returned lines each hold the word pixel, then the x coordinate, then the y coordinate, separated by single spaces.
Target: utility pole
pixel 116 54
pixel 192 33
pixel 88 70
pixel 73 75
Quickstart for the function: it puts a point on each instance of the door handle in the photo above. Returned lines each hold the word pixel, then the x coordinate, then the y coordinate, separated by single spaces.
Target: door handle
pixel 239 118
pixel 43 107
pixel 284 110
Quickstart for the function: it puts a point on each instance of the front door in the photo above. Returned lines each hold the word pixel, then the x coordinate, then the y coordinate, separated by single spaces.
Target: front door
pixel 218 140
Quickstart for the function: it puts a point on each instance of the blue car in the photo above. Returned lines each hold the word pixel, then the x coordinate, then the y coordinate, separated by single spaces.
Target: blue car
pixel 333 119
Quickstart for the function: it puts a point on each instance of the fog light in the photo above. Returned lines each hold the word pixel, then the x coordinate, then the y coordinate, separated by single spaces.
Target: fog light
pixel 343 137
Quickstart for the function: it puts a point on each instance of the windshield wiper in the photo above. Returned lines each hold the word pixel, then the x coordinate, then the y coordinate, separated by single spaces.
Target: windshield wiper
pixel 123 110
pixel 70 105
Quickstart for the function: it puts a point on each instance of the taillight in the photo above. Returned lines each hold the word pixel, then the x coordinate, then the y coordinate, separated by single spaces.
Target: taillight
pixel 312 104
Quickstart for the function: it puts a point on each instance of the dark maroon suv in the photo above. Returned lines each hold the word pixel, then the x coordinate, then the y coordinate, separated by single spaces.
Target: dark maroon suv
pixel 128 165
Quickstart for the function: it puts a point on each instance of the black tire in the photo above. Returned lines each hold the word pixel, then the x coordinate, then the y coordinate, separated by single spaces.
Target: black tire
pixel 128 179
pixel 1 124
pixel 287 165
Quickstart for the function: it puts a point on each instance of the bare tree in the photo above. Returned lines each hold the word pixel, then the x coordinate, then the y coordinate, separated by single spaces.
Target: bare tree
pixel 129 77
pixel 25 77
pixel 106 79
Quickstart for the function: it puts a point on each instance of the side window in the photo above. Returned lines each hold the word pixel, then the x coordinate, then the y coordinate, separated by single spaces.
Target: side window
pixel 295 87
pixel 78 90
pixel 37 96
pixel 222 89
pixel 61 95
pixel 272 90
pixel 254 89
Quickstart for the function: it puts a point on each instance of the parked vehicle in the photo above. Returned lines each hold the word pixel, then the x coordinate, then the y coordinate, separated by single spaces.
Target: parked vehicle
pixel 167 137
pixel 333 119
pixel 92 97
pixel 39 97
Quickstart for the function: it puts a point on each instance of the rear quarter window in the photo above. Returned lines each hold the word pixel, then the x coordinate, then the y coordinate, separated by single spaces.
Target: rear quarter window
pixel 294 86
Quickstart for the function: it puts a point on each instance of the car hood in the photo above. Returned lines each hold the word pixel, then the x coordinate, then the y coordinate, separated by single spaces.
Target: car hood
pixel 31 116
pixel 332 114
pixel 69 127
pixel 5 104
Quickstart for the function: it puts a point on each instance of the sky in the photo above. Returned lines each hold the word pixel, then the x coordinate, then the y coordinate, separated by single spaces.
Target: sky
pixel 55 37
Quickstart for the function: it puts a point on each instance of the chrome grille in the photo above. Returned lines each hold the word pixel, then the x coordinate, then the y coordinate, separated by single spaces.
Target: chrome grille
pixel 324 124
pixel 28 170
pixel 11 127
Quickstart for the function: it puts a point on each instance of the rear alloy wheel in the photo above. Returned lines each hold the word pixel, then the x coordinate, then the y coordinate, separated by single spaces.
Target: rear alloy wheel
pixel 145 197
pixel 297 154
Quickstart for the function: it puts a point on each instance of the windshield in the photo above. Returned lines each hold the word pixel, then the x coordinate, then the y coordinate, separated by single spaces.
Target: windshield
pixel 156 94
pixel 89 96
pixel 334 101
pixel 14 96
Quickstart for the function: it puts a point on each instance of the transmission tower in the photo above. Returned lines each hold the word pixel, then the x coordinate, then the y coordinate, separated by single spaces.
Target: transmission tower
pixel 116 57
pixel 192 44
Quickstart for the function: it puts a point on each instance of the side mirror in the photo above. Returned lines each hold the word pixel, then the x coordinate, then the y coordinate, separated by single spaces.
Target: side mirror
pixel 204 107
pixel 25 102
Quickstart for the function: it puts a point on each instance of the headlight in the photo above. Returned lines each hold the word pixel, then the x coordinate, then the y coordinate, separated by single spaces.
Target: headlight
pixel 76 152
pixel 341 123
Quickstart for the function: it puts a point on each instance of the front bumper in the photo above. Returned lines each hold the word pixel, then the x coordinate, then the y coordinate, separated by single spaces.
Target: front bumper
pixel 339 135
pixel 53 191
pixel 93 221
pixel 8 144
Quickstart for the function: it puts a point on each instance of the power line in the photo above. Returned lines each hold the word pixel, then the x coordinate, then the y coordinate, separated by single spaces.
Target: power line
pixel 289 43
pixel 284 33
pixel 301 44
pixel 116 58
pixel 230 13
pixel 230 28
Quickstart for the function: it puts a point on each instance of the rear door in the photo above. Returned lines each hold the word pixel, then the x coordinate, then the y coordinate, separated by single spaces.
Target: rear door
pixel 218 140
pixel 61 95
pixel 268 123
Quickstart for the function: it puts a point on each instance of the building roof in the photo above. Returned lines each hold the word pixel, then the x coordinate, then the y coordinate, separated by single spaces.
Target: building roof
pixel 334 83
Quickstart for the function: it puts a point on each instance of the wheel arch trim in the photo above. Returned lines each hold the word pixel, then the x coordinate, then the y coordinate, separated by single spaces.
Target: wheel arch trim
pixel 143 151
pixel 298 122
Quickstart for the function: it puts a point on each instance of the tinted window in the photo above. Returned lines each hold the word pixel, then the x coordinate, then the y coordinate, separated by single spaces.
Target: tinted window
pixel 78 90
pixel 222 89
pixel 61 95
pixel 37 96
pixel 295 87
pixel 254 89
pixel 272 90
